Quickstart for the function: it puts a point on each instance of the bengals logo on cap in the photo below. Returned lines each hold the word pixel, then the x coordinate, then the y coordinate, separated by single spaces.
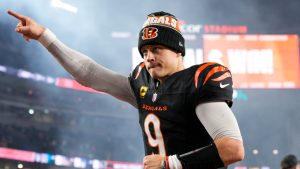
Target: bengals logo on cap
pixel 149 33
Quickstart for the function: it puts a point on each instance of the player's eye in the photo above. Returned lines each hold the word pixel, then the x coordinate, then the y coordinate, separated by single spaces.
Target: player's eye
pixel 155 49
pixel 144 53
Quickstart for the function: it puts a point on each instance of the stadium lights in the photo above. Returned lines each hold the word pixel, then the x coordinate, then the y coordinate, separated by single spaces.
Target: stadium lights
pixel 31 111
pixel 255 151
pixel 275 152
pixel 64 6
pixel 20 165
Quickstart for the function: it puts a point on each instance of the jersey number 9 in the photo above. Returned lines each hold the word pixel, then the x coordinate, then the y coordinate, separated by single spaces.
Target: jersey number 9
pixel 154 139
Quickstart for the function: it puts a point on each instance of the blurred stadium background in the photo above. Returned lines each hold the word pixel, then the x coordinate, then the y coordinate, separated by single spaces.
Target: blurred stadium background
pixel 49 121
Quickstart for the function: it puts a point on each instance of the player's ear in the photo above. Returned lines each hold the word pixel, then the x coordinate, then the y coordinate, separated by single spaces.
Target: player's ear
pixel 179 54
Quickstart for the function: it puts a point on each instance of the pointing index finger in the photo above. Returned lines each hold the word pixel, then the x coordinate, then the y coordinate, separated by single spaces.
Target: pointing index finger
pixel 17 15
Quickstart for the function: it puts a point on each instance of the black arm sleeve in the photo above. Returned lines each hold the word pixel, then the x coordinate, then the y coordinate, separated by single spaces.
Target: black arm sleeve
pixel 203 158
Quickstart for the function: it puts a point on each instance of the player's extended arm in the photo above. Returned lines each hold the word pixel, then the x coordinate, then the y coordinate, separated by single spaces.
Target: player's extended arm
pixel 81 67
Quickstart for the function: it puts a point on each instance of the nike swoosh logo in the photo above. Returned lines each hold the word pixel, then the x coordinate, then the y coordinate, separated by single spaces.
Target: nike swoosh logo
pixel 224 85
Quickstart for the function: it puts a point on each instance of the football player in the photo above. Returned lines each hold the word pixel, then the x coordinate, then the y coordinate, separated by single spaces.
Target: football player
pixel 184 113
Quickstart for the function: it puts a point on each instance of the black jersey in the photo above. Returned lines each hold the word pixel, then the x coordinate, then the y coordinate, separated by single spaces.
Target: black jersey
pixel 167 111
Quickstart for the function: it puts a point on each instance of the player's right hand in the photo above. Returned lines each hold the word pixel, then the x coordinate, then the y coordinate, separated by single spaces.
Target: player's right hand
pixel 153 161
pixel 27 27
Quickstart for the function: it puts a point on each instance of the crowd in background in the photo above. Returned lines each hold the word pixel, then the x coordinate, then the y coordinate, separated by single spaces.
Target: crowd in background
pixel 41 118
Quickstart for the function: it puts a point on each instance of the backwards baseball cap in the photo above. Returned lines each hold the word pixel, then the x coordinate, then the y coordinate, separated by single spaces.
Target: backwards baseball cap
pixel 161 28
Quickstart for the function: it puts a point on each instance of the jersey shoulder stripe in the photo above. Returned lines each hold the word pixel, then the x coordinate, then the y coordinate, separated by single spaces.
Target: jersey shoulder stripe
pixel 135 73
pixel 142 65
pixel 206 70
pixel 222 77
pixel 213 71
pixel 199 70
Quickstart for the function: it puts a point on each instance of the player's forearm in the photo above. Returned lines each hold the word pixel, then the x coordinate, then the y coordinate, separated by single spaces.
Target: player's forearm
pixel 230 150
pixel 86 71
pixel 204 157
pixel 223 152
pixel 74 62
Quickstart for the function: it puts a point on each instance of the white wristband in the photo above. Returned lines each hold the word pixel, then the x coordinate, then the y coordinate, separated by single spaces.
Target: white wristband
pixel 174 162
pixel 47 38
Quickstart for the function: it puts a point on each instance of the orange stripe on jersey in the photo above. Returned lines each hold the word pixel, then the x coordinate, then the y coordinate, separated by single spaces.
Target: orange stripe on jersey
pixel 199 70
pixel 213 71
pixel 139 71
pixel 222 77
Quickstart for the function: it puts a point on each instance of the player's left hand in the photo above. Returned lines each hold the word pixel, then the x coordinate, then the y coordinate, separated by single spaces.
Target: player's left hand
pixel 153 161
